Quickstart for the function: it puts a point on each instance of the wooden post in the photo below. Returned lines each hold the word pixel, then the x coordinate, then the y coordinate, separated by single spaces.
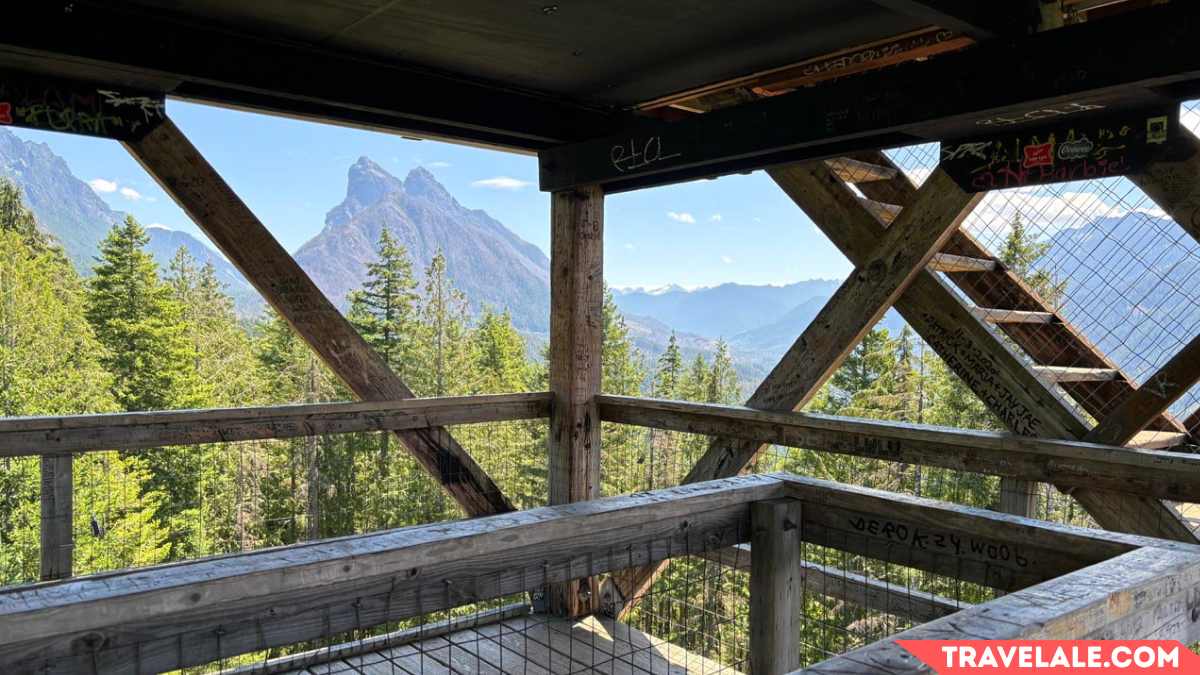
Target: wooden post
pixel 576 333
pixel 195 185
pixel 776 598
pixel 57 542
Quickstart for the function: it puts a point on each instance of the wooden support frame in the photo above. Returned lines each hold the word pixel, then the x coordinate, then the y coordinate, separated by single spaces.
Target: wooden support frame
pixel 57 542
pixel 997 376
pixel 909 603
pixel 20 436
pixel 195 612
pixel 183 173
pixel 1072 464
pixel 1148 594
pixel 776 589
pixel 229 605
pixel 903 105
pixel 576 336
pixel 899 255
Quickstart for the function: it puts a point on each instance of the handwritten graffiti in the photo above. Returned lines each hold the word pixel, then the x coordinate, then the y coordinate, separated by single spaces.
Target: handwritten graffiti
pixel 1082 149
pixel 639 154
pixel 870 55
pixel 951 543
pixel 981 374
pixel 1038 114
pixel 75 107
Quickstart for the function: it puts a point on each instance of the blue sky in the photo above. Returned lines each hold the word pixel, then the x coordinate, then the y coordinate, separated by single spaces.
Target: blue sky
pixel 291 173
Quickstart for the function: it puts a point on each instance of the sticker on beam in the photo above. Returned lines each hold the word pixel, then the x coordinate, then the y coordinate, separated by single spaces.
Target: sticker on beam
pixel 1078 149
pixel 89 109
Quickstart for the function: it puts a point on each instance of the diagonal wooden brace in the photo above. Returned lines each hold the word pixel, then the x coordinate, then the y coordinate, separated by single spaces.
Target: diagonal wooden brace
pixel 183 173
pixel 897 256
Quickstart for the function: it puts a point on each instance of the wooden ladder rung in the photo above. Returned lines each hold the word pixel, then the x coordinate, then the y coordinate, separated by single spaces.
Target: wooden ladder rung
pixel 855 171
pixel 1011 315
pixel 1068 374
pixel 1157 440
pixel 948 262
pixel 885 213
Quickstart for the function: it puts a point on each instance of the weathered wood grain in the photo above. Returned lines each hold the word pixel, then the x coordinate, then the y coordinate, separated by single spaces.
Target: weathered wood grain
pixel 228 605
pixel 1144 594
pixel 130 431
pixel 1167 475
pixel 183 173
pixel 945 262
pixel 776 587
pixel 576 334
pixel 57 539
pixel 898 600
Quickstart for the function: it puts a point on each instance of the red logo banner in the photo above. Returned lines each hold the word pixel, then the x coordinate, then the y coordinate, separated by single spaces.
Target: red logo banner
pixel 1004 657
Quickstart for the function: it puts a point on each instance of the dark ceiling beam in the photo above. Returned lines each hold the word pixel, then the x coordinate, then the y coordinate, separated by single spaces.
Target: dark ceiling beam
pixel 159 53
pixel 1143 58
pixel 980 20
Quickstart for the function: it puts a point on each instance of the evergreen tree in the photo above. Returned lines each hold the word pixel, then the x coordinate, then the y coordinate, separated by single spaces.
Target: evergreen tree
pixel 139 322
pixel 1022 253
pixel 669 371
pixel 385 309
pixel 499 350
pixel 622 369
pixel 869 360
pixel 694 384
pixel 723 386
pixel 136 318
pixel 446 345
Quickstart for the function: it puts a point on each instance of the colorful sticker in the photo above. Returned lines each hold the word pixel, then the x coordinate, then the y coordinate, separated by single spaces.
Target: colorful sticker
pixel 1041 154
pixel 1156 130
pixel 6 113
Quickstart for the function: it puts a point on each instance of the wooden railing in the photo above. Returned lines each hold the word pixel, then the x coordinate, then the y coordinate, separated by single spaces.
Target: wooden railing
pixel 1061 581
pixel 54 439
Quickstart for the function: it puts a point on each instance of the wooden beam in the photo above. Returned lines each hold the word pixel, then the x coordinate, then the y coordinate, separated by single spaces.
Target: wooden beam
pixel 1071 374
pixel 576 334
pixel 912 46
pixel 886 213
pixel 980 20
pixel 945 97
pixel 1000 378
pixel 946 262
pixel 190 60
pixel 1157 440
pixel 1151 399
pixel 837 584
pixel 992 315
pixel 1146 594
pixel 901 253
pixel 20 436
pixel 854 171
pixel 57 543
pixel 183 173
pixel 1072 464
pixel 997 550
pixel 167 617
pixel 1172 184
pixel 776 587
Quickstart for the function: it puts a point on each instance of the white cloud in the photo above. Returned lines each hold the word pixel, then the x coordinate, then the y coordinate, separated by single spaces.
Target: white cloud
pixel 101 185
pixel 727 260
pixel 716 218
pixel 501 183
pixel 130 193
pixel 157 226
pixel 628 247
pixel 1047 209
pixel 437 165
pixel 682 217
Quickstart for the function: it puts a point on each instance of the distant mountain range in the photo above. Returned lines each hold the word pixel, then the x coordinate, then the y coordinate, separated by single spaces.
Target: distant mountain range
pixel 68 209
pixel 496 268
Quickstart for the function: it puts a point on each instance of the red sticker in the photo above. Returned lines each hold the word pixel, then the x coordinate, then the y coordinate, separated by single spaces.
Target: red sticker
pixel 1039 155
pixel 6 113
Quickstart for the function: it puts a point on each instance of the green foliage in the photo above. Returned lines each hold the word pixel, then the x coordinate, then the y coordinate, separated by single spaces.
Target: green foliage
pixel 1022 253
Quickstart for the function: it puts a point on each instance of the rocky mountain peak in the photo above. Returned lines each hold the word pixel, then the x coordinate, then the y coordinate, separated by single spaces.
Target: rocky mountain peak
pixel 421 182
pixel 367 183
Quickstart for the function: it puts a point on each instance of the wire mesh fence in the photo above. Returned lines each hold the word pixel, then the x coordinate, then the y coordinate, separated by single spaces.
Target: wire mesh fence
pixel 146 507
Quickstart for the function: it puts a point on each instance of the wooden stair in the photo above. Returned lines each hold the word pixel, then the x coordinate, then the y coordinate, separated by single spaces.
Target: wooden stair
pixel 854 171
pixel 1011 316
pixel 1059 351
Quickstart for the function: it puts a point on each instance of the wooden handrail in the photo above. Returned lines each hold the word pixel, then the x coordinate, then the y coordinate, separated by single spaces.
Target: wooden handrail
pixel 1149 473
pixel 170 616
pixel 131 431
